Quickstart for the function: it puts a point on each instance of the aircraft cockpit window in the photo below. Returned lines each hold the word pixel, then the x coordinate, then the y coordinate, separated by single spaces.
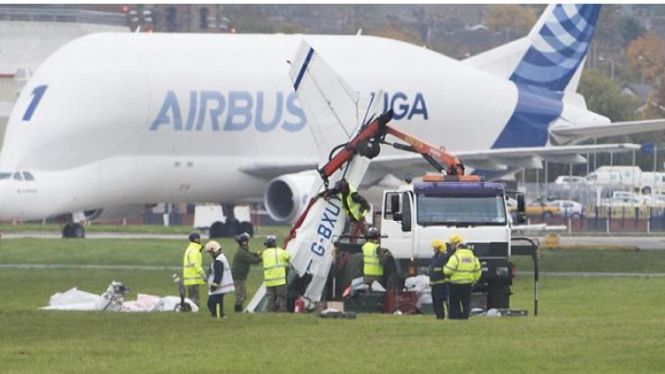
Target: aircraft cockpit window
pixel 4 175
pixel 18 176
pixel 28 176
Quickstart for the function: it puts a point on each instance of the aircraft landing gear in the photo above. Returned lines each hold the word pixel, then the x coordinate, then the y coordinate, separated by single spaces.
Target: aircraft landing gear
pixel 231 227
pixel 73 230
pixel 246 227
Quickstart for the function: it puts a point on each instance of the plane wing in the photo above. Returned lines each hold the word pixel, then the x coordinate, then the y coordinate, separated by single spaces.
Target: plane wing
pixel 270 168
pixel 331 106
pixel 334 113
pixel 491 159
pixel 612 129
pixel 501 159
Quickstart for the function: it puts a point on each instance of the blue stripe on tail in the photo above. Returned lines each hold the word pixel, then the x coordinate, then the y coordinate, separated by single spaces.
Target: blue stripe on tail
pixel 527 127
pixel 558 48
pixel 303 68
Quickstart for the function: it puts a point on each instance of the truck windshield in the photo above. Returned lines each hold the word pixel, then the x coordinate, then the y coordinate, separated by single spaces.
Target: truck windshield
pixel 461 210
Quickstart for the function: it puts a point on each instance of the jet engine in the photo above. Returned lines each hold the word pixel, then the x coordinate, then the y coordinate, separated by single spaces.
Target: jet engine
pixel 287 196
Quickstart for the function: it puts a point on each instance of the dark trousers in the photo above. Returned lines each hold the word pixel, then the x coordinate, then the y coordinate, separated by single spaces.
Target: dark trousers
pixel 459 300
pixel 276 296
pixel 440 299
pixel 216 305
pixel 193 293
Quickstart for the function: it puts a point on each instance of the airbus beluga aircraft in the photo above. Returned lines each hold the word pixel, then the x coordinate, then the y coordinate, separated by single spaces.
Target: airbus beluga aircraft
pixel 123 119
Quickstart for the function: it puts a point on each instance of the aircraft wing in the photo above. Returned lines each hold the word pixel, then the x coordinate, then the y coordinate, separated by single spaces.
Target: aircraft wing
pixel 491 159
pixel 501 159
pixel 335 113
pixel 612 129
pixel 271 168
pixel 330 104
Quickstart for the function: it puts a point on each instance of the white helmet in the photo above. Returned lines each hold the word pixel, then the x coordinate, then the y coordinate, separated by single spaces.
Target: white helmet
pixel 213 246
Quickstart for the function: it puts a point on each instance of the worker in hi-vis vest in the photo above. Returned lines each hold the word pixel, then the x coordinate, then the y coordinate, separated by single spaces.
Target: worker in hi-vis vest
pixel 373 257
pixel 192 273
pixel 355 206
pixel 437 279
pixel 220 281
pixel 464 270
pixel 275 262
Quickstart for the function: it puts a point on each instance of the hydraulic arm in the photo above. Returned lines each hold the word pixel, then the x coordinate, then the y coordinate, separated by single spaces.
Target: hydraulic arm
pixel 367 143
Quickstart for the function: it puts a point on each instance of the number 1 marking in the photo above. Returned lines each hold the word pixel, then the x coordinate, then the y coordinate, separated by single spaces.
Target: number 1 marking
pixel 37 95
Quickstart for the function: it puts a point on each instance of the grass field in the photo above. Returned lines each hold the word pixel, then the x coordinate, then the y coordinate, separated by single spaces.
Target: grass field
pixel 135 229
pixel 586 325
pixel 95 227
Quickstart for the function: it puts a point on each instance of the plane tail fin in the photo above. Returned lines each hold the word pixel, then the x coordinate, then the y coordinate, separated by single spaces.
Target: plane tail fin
pixel 552 56
pixel 334 110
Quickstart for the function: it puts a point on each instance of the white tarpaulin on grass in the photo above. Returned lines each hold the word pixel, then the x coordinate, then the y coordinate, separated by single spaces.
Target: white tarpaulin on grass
pixel 114 300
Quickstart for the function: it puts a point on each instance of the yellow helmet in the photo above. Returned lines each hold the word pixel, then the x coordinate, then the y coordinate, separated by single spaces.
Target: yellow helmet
pixel 212 246
pixel 436 243
pixel 455 239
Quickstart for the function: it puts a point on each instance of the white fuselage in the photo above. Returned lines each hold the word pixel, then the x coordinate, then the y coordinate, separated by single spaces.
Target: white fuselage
pixel 143 118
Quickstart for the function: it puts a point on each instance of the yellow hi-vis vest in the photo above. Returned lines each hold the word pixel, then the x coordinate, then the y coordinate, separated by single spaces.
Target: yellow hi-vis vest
pixel 372 265
pixel 355 210
pixel 463 267
pixel 275 261
pixel 192 273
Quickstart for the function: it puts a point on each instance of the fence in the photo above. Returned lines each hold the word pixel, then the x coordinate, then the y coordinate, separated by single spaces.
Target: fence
pixel 61 15
pixel 609 219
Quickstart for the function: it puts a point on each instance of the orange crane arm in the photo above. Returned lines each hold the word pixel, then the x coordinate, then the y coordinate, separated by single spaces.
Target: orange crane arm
pixel 367 143
pixel 424 148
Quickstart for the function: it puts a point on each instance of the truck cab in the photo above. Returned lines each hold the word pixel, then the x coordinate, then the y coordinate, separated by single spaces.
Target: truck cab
pixel 417 213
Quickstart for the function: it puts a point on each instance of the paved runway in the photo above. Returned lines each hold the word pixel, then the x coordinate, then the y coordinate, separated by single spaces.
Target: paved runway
pixel 94 235
pixel 641 242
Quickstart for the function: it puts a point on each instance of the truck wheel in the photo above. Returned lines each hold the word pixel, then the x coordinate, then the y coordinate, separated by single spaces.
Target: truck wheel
pixel 646 190
pixel 216 230
pixel 498 296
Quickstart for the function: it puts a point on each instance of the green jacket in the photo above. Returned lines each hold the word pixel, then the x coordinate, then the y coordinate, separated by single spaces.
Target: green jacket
pixel 241 262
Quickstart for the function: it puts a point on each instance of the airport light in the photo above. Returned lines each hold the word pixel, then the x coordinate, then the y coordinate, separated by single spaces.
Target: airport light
pixel 601 58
